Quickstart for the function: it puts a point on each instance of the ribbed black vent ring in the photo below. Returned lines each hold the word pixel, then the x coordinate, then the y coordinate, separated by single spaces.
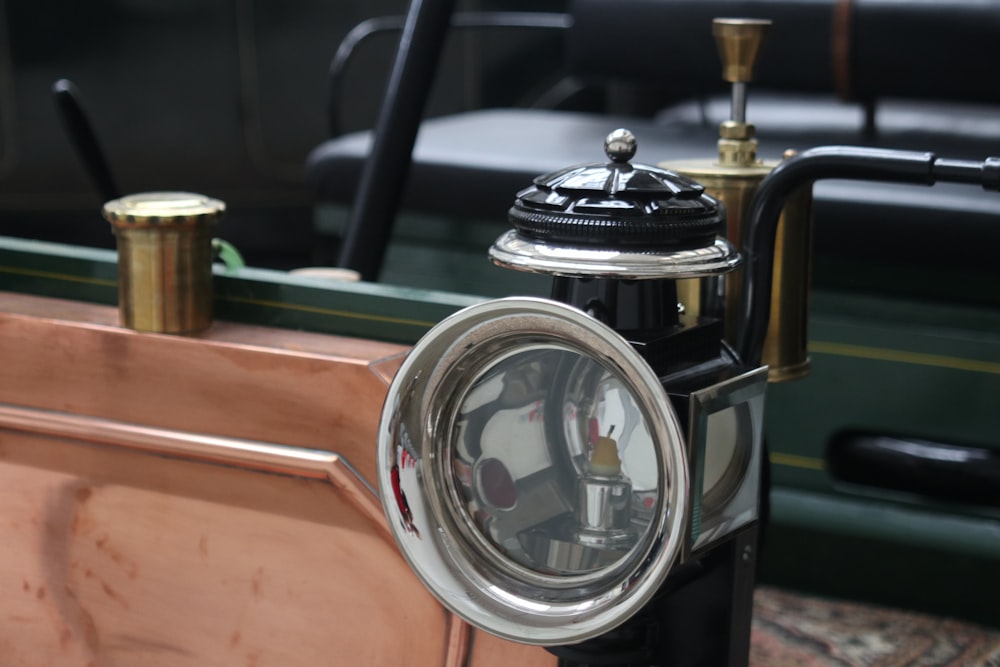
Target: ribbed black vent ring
pixel 663 230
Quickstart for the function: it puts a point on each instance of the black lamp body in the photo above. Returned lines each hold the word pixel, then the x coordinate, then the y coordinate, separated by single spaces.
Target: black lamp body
pixel 701 614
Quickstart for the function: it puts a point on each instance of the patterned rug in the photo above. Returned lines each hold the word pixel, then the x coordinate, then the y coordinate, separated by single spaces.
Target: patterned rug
pixel 793 630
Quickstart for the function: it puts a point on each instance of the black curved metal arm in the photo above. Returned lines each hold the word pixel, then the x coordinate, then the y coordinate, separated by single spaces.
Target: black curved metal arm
pixel 379 25
pixel 384 173
pixel 843 162
pixel 82 135
pixel 383 176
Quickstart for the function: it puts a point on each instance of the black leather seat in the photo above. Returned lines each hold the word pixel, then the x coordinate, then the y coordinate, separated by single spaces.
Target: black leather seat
pixel 934 58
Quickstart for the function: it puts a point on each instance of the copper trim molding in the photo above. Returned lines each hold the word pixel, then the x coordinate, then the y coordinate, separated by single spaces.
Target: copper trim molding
pixel 459 642
pixel 251 383
pixel 259 456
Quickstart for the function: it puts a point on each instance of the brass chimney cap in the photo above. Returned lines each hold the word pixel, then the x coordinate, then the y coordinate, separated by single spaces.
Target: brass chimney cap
pixel 739 42
pixel 163 209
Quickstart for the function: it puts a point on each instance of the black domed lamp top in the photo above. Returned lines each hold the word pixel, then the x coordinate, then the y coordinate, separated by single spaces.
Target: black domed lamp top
pixel 617 203
pixel 616 220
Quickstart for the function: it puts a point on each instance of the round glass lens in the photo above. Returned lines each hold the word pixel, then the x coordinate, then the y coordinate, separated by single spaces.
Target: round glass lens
pixel 553 462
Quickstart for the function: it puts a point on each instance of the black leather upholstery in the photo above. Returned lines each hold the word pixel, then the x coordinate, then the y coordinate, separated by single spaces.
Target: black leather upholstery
pixel 937 49
pixel 671 44
pixel 472 164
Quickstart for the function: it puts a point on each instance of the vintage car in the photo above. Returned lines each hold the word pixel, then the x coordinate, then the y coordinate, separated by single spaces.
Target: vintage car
pixel 245 494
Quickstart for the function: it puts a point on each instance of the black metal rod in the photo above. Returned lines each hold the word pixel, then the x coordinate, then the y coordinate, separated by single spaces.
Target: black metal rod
pixel 844 162
pixel 83 137
pixel 383 176
pixel 383 24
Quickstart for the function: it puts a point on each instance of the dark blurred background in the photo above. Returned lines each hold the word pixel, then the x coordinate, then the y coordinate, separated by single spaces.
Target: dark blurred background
pixel 221 97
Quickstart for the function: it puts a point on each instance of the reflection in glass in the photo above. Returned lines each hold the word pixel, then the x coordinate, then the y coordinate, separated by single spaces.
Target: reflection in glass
pixel 726 455
pixel 553 461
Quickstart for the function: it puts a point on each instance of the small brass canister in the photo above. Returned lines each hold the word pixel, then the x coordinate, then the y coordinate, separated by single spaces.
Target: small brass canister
pixel 165 259
pixel 733 179
pixel 785 348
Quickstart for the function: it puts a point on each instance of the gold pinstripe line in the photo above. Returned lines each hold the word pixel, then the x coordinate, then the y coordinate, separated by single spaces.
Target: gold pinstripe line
pixel 50 275
pixel 795 461
pixel 821 347
pixel 34 273
pixel 900 356
pixel 327 311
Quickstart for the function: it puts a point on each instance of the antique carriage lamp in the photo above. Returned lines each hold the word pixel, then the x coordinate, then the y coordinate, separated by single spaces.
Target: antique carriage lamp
pixel 583 472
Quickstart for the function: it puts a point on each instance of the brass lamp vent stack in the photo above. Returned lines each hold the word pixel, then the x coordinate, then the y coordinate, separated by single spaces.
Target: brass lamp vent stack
pixel 165 259
pixel 733 179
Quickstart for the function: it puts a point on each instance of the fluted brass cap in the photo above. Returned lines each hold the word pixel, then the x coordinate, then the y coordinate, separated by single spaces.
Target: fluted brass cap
pixel 739 43
pixel 164 209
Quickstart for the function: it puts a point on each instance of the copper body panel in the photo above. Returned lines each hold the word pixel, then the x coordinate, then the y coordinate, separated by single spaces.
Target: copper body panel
pixel 202 501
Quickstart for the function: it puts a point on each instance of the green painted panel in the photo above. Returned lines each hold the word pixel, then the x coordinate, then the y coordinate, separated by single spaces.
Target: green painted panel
pixel 884 553
pixel 893 367
pixel 51 269
pixel 367 310
pixel 256 296
pixel 970 284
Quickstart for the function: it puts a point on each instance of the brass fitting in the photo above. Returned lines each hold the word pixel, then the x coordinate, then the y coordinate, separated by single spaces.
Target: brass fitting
pixel 739 41
pixel 165 257
pixel 730 129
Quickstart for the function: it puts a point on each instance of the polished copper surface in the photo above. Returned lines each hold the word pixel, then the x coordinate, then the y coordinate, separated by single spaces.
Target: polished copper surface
pixel 188 501
pixel 237 381
pixel 112 556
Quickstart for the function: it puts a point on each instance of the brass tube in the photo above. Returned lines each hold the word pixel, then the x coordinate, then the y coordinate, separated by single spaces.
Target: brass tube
pixel 786 345
pixel 165 279
pixel 164 260
pixel 735 186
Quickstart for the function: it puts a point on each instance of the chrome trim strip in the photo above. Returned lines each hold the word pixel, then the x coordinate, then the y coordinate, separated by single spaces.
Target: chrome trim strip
pixel 516 251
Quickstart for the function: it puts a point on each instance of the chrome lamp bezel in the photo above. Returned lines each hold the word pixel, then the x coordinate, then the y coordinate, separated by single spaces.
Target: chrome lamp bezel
pixel 416 481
